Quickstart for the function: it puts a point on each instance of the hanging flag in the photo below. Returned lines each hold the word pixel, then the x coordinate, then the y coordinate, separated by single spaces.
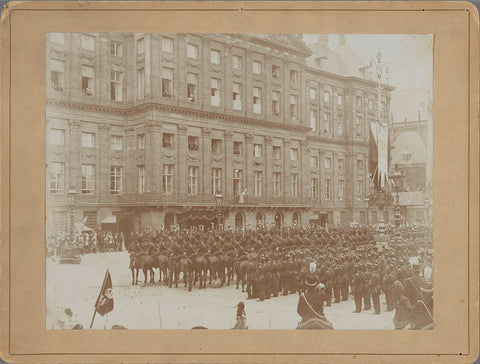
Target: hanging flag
pixel 379 153
pixel 373 153
pixel 104 302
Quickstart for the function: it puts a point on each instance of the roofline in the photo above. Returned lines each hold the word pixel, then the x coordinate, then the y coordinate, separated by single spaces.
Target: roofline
pixel 362 80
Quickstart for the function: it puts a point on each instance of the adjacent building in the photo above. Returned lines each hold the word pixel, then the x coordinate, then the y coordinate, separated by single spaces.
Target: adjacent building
pixel 232 129
pixel 410 154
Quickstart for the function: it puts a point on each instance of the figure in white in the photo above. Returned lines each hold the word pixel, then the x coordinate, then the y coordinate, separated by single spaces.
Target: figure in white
pixel 241 199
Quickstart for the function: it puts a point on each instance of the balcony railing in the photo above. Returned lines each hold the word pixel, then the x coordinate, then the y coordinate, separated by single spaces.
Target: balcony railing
pixel 185 199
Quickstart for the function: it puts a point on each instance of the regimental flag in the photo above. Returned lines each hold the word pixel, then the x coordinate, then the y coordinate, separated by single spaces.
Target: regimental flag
pixel 379 154
pixel 104 302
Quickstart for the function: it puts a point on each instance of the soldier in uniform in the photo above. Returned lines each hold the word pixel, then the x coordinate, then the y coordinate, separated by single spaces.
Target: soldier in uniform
pixel 375 289
pixel 388 288
pixel 337 282
pixel 358 288
pixel 328 286
pixel 367 292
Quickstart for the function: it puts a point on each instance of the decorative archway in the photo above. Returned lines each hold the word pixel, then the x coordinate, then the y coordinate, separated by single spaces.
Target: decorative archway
pixel 169 220
pixel 278 220
pixel 259 219
pixel 296 219
pixel 239 220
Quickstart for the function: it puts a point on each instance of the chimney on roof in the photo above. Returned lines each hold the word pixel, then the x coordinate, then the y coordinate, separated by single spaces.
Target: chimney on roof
pixel 419 118
pixel 322 40
pixel 341 39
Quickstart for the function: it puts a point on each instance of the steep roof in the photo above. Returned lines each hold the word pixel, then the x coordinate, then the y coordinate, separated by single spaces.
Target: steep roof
pixel 342 60
pixel 409 143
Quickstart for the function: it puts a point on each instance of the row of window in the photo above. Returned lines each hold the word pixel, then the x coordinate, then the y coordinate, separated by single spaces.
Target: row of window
pixel 57 137
pixel 116 93
pixel 116 49
pixel 57 179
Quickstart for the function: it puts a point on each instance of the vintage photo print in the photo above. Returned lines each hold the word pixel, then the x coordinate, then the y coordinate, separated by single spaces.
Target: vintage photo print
pixel 239 181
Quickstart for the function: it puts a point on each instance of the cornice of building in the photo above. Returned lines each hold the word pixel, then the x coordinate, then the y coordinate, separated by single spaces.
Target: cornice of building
pixel 342 142
pixel 148 106
pixel 342 78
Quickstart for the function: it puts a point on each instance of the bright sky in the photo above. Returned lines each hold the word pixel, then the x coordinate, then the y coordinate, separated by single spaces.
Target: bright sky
pixel 410 61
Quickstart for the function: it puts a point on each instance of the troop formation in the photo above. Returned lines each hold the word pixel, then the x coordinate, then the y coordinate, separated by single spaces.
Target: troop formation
pixel 272 262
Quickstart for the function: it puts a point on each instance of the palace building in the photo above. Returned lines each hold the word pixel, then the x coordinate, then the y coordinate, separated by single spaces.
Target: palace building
pixel 232 129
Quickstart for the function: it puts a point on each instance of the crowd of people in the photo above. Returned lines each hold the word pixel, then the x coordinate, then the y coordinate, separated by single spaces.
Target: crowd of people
pixel 91 241
pixel 269 262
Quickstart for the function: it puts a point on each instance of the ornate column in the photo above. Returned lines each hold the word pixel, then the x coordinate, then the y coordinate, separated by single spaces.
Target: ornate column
pixel 268 166
pixel 130 158
pixel 228 152
pixel 181 168
pixel 249 164
pixel 73 178
pixel 104 159
pixel 102 82
pixel 305 174
pixel 156 71
pixel 153 129
pixel 206 171
pixel 286 168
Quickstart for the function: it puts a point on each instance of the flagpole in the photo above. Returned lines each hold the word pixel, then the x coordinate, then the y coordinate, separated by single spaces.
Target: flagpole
pixel 96 302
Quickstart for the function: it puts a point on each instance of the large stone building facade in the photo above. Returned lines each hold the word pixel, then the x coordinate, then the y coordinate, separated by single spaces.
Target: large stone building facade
pixel 188 129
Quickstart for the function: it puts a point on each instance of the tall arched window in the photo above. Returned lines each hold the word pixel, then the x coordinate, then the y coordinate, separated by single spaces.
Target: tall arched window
pixel 239 220
pixel 296 219
pixel 169 220
pixel 259 219
pixel 278 220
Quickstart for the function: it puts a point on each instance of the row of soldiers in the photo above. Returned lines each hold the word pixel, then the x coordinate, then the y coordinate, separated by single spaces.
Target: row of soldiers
pixel 276 261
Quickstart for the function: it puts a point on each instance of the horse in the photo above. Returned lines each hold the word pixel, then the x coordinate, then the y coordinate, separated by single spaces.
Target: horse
pixel 420 317
pixel 200 269
pixel 241 272
pixel 160 261
pixel 214 267
pixel 181 265
pixel 227 262
pixel 315 324
pixel 144 262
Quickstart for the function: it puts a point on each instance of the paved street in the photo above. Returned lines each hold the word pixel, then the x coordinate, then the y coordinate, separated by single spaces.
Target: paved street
pixel 159 307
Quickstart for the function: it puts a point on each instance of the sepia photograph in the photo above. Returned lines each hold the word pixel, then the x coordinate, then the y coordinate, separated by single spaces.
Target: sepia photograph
pixel 239 181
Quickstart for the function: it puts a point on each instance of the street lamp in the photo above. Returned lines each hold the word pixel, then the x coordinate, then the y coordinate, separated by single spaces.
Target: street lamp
pixel 379 66
pixel 397 180
pixel 72 200
pixel 219 202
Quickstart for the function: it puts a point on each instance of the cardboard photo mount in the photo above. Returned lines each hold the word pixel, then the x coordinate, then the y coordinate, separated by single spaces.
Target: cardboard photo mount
pixel 454 26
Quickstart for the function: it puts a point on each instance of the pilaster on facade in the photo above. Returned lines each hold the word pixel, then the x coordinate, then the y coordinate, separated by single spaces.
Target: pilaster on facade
pixel 206 144
pixel 130 158
pixel 104 158
pixel 181 181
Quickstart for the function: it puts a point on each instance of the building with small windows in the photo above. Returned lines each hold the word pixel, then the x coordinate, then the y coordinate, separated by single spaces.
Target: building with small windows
pixel 409 140
pixel 232 129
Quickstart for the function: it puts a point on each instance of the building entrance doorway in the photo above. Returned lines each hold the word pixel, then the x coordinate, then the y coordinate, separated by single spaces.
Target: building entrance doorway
pixel 169 220
pixel 279 220
pixel 239 220
pixel 322 219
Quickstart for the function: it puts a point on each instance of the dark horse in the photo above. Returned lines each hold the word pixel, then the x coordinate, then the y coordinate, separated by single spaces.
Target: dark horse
pixel 200 268
pixel 144 262
pixel 420 317
pixel 181 265
pixel 241 272
pixel 160 261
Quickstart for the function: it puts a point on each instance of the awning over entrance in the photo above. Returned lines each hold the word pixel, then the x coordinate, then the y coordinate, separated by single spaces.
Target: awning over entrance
pixel 110 220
